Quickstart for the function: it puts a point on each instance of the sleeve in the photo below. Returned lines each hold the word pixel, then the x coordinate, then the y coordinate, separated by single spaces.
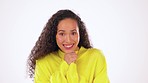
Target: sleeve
pixel 101 71
pixel 42 74
pixel 72 75
pixel 63 75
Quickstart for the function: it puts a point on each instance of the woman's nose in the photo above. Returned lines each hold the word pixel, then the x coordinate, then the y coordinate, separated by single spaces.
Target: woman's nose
pixel 68 39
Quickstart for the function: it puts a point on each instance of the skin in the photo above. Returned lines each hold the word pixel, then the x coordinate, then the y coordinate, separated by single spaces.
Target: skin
pixel 67 38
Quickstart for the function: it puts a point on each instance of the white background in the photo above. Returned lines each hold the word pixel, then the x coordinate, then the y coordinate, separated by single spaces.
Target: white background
pixel 118 27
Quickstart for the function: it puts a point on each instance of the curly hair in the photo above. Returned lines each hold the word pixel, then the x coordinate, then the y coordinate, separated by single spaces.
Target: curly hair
pixel 46 42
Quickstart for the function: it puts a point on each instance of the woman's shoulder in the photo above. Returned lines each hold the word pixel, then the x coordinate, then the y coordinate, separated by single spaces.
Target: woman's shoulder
pixel 48 57
pixel 95 52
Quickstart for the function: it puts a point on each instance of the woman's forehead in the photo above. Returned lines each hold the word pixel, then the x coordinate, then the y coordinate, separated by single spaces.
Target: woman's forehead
pixel 68 24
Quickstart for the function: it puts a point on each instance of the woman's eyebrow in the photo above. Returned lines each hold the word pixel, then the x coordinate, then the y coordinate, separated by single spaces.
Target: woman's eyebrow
pixel 74 30
pixel 61 30
pixel 64 30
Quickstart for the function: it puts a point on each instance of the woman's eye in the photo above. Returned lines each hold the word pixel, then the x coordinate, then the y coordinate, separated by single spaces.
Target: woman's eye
pixel 74 33
pixel 62 34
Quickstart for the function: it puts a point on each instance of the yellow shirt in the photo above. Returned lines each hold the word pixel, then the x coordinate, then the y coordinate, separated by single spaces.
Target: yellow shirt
pixel 90 67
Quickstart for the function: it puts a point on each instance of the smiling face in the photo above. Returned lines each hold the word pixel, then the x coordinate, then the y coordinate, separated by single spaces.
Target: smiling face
pixel 67 36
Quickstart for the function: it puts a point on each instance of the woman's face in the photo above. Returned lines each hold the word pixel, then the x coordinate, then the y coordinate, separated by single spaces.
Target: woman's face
pixel 67 36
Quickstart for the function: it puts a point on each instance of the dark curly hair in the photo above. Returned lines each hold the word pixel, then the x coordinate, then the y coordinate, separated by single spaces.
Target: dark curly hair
pixel 46 42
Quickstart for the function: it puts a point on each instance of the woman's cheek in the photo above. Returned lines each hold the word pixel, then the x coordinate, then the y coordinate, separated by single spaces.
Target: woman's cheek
pixel 76 38
pixel 60 40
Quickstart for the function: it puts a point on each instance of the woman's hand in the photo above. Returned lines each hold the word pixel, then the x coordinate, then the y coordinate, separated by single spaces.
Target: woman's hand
pixel 70 57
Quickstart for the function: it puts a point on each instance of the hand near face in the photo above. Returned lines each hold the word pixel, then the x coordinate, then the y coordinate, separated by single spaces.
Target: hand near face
pixel 70 57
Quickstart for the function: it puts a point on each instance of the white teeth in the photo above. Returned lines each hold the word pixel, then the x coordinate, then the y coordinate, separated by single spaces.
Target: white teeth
pixel 68 46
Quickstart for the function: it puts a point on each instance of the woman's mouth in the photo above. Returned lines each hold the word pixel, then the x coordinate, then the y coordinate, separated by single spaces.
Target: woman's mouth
pixel 68 46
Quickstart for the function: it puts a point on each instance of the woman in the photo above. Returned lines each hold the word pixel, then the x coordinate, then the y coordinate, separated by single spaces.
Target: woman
pixel 63 53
